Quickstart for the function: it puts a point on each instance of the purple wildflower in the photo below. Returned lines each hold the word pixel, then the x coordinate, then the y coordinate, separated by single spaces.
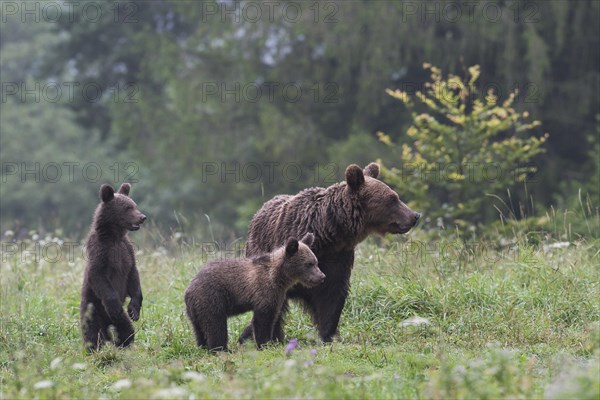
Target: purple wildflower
pixel 313 352
pixel 291 346
pixel 308 363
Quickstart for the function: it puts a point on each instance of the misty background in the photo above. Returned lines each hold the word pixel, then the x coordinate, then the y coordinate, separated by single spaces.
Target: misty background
pixel 211 108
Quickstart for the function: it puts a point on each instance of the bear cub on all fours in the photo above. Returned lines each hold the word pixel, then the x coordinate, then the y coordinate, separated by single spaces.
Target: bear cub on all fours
pixel 111 274
pixel 223 288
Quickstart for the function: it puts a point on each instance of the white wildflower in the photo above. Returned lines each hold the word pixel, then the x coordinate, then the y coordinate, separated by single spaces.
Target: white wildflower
pixel 557 245
pixel 121 384
pixel 170 393
pixel 43 385
pixel 55 363
pixel 193 376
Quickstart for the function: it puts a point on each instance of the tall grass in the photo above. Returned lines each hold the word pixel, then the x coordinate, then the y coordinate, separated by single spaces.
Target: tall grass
pixel 498 317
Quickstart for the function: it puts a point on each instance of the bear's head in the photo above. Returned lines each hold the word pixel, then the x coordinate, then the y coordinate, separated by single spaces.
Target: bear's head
pixel 300 263
pixel 118 210
pixel 384 211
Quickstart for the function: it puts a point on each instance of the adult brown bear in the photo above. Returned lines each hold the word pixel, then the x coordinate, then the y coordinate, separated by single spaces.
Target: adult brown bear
pixel 340 216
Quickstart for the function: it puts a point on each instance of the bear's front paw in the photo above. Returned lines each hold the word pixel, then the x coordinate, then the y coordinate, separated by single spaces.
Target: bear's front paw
pixel 133 310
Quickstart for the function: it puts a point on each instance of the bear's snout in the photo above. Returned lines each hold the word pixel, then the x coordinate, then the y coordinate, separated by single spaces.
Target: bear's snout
pixel 321 278
pixel 317 278
pixel 405 223
pixel 416 218
pixel 136 225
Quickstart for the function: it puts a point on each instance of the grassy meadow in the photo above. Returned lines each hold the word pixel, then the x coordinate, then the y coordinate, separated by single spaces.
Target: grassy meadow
pixel 427 317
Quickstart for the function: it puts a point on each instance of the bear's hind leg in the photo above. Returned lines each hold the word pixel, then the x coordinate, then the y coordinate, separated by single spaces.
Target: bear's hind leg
pixel 216 333
pixel 94 329
pixel 201 339
pixel 93 336
pixel 200 336
pixel 197 324
pixel 125 332
pixel 246 334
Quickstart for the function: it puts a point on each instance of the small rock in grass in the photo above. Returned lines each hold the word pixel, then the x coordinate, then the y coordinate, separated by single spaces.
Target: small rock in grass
pixel 415 321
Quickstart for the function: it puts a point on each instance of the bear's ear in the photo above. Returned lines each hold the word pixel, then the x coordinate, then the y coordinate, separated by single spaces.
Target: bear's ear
pixel 354 176
pixel 106 193
pixel 308 239
pixel 372 170
pixel 291 247
pixel 124 189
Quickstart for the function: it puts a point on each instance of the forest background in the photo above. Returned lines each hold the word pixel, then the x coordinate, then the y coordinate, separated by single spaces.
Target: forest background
pixel 211 108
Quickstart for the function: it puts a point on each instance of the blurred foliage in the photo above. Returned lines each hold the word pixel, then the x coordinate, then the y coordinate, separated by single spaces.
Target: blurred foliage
pixel 52 167
pixel 464 148
pixel 500 374
pixel 592 187
pixel 587 181
pixel 190 86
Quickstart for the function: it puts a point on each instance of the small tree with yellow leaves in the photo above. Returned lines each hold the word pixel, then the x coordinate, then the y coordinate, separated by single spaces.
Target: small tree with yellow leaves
pixel 463 148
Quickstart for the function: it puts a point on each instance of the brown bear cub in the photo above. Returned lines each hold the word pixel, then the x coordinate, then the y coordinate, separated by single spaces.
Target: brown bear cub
pixel 340 216
pixel 110 273
pixel 223 288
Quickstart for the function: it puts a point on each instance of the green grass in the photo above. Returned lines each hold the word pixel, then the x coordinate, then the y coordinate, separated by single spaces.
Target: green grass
pixel 521 322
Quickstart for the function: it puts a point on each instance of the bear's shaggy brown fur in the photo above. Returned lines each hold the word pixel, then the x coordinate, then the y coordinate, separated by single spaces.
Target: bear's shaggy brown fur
pixel 224 288
pixel 110 273
pixel 340 216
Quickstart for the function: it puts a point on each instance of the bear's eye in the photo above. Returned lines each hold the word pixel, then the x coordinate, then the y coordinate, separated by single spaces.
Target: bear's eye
pixel 392 199
pixel 129 208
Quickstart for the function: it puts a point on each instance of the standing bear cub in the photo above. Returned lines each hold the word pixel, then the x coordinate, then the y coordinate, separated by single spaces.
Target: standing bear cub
pixel 110 273
pixel 223 288
pixel 340 216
